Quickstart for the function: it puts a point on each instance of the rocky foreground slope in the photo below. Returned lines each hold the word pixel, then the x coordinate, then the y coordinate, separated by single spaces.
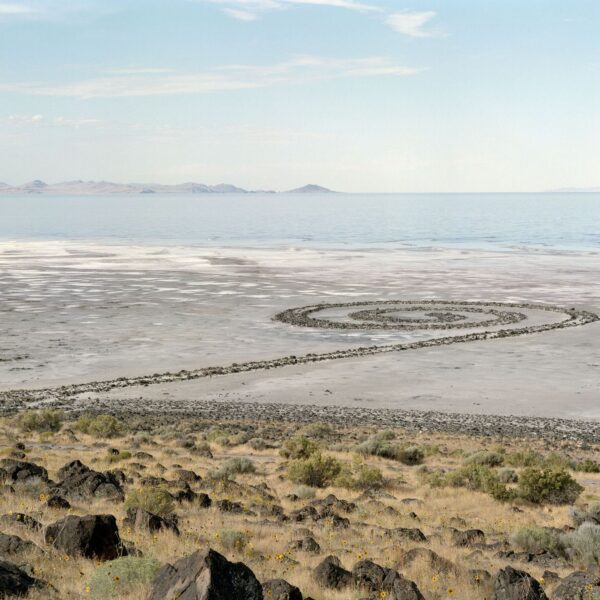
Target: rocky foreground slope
pixel 256 509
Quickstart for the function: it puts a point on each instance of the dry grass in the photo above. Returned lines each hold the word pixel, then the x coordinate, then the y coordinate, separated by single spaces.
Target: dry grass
pixel 267 552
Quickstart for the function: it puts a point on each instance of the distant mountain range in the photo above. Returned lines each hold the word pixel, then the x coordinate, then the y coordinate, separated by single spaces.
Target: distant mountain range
pixel 107 187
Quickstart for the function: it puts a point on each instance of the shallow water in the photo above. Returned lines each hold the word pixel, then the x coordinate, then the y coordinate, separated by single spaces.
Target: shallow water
pixel 569 221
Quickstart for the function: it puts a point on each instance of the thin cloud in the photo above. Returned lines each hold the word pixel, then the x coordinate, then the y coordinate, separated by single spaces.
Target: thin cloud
pixel 299 70
pixel 249 10
pixel 411 23
pixel 11 9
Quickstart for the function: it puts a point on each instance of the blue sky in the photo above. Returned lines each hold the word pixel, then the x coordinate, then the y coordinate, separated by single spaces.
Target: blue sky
pixel 382 95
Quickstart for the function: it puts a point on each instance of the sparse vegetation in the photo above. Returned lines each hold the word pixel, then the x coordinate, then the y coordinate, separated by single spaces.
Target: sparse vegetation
pixel 100 426
pixel 155 499
pixel 316 470
pixel 41 421
pixel 122 576
pixel 232 467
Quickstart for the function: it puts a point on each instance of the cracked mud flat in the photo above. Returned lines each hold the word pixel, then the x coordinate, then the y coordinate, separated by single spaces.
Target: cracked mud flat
pixel 75 313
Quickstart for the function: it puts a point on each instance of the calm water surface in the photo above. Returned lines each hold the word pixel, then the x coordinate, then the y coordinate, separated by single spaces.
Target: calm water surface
pixel 570 221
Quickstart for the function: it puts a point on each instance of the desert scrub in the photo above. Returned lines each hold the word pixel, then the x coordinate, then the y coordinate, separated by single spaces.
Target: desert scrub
pixel 360 477
pixel 584 544
pixel 232 467
pixel 537 539
pixel 102 426
pixel 122 576
pixel 316 471
pixel 486 458
pixel 588 466
pixel 259 444
pixel 380 445
pixel 548 486
pixel 476 477
pixel 156 500
pixel 41 421
pixel 319 431
pixel 508 476
pixel 298 447
pixel 232 539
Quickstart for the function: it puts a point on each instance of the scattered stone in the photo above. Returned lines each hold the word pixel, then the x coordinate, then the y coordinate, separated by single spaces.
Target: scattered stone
pixel 79 482
pixel 187 476
pixel 12 545
pixel 229 506
pixel 434 561
pixel 412 534
pixel 138 518
pixel 578 586
pixel 510 584
pixel 306 544
pixel 468 537
pixel 58 502
pixel 205 575
pixel 21 519
pixel 14 581
pixel 330 574
pixel 280 589
pixel 18 470
pixel 92 536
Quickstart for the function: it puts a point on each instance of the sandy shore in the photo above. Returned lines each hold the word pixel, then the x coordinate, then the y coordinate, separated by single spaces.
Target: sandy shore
pixel 73 313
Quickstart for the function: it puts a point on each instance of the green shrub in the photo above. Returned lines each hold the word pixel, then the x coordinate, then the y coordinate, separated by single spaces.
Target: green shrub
pixel 156 500
pixel 102 426
pixel 485 457
pixel 319 431
pixel 41 421
pixel 232 467
pixel 122 576
pixel 298 447
pixel 527 458
pixel 537 539
pixel 588 466
pixel 548 486
pixel 259 444
pixel 584 544
pixel 233 540
pixel 507 476
pixel 316 470
pixel 412 455
pixel 368 478
pixel 380 445
pixel 480 478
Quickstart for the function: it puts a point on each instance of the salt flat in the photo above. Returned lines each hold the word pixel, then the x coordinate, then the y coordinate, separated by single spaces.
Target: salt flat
pixel 76 312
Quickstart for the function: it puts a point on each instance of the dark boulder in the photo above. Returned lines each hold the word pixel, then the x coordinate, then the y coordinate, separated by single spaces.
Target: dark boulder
pixel 306 544
pixel 187 476
pixel 412 534
pixel 92 536
pixel 400 588
pixel 18 470
pixel 56 501
pixel 79 482
pixel 330 574
pixel 511 584
pixel 12 545
pixel 369 575
pixel 205 575
pixel 20 519
pixel 138 518
pixel 14 581
pixel 578 586
pixel 434 561
pixel 229 506
pixel 280 589
pixel 468 537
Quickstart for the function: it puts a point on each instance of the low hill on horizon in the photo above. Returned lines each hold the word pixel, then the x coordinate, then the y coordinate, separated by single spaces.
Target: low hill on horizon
pixel 79 187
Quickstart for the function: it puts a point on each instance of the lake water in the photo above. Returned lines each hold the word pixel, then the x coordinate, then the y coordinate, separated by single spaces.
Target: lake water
pixel 570 221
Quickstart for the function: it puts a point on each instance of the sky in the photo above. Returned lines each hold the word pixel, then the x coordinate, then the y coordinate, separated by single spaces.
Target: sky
pixel 355 95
